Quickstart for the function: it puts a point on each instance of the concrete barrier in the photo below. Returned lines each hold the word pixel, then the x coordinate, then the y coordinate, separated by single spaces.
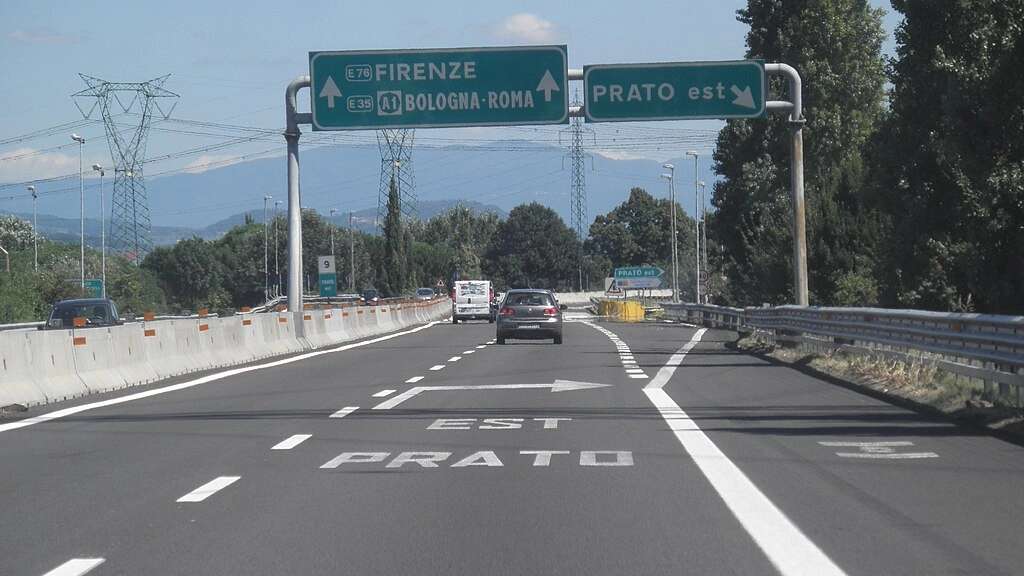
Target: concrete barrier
pixel 38 367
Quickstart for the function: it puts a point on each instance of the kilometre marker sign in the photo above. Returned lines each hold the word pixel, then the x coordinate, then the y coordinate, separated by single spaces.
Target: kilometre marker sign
pixel 504 86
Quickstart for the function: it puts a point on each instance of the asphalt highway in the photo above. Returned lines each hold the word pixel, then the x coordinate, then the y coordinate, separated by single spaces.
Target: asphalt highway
pixel 629 449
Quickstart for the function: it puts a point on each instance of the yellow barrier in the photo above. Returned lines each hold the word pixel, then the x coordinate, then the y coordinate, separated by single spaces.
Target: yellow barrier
pixel 623 311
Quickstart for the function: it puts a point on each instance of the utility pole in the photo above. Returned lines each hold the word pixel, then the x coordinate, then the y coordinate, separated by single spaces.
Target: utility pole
pixel 351 254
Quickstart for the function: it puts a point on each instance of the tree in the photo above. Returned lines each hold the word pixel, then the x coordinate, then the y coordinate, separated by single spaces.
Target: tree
pixel 394 280
pixel 533 248
pixel 952 157
pixel 835 45
pixel 190 275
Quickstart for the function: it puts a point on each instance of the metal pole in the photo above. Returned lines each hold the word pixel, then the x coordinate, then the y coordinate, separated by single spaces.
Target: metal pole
pixel 672 207
pixel 277 269
pixel 351 253
pixel 696 219
pixel 81 203
pixel 333 210
pixel 704 230
pixel 103 234
pixel 35 231
pixel 796 123
pixel 291 136
pixel 266 260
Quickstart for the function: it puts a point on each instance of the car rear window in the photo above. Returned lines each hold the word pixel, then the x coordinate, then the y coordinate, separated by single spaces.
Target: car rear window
pixel 530 299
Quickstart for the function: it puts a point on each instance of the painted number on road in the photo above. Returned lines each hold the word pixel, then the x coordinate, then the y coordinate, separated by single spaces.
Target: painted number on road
pixel 892 450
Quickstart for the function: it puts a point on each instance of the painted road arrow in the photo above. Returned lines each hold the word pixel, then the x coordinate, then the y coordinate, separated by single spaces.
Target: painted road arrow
pixel 557 386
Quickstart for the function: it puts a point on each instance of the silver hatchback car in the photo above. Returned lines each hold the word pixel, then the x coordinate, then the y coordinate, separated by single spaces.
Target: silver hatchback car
pixel 529 314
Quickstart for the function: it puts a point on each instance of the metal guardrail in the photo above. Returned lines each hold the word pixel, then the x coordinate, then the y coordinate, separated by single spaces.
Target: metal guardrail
pixel 986 347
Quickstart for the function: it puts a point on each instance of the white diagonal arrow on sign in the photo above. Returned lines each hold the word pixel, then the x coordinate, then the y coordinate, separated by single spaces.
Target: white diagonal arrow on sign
pixel 557 386
pixel 330 91
pixel 744 97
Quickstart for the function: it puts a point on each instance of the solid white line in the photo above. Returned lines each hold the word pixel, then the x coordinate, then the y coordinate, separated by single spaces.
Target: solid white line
pixel 209 489
pixel 292 442
pixel 75 567
pixel 384 393
pixel 787 547
pixel 414 379
pixel 344 411
pixel 205 379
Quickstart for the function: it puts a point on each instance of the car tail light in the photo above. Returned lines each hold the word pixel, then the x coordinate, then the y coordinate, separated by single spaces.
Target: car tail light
pixel 507 312
pixel 551 311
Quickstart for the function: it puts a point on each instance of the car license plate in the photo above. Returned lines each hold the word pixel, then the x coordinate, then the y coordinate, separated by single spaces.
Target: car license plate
pixel 529 326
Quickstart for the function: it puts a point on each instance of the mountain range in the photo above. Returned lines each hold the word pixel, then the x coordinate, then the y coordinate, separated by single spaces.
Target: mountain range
pixel 497 176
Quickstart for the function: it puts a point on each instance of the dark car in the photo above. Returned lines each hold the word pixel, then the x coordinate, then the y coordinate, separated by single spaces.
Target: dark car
pixel 90 312
pixel 369 297
pixel 423 294
pixel 529 314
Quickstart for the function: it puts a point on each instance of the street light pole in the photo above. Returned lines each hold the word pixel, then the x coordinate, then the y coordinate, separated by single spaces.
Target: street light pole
pixel 103 233
pixel 351 254
pixel 35 231
pixel 672 207
pixel 333 210
pixel 704 228
pixel 696 218
pixel 81 203
pixel 277 269
pixel 266 271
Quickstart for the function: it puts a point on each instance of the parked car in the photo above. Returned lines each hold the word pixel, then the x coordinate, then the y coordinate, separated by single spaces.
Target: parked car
pixel 529 314
pixel 369 297
pixel 92 312
pixel 423 294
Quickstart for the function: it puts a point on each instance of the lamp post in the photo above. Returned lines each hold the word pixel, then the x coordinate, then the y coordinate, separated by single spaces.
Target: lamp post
pixel 277 269
pixel 696 218
pixel 672 207
pixel 103 233
pixel 704 228
pixel 266 279
pixel 351 253
pixel 81 203
pixel 333 210
pixel 35 232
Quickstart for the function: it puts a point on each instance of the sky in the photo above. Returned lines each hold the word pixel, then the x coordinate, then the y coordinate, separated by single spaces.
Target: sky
pixel 229 63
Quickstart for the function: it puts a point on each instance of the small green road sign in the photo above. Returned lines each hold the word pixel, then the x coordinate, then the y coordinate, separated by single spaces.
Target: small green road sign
pixel 674 91
pixel 501 86
pixel 638 272
pixel 94 287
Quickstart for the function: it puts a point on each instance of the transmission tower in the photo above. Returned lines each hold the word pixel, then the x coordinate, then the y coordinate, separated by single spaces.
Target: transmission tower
pixel 396 162
pixel 578 190
pixel 130 227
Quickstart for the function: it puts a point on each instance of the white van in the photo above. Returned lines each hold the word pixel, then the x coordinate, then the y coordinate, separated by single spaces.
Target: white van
pixel 471 299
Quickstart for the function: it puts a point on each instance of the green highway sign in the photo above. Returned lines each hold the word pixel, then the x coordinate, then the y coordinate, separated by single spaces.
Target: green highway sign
pixel 674 91
pixel 501 86
pixel 637 272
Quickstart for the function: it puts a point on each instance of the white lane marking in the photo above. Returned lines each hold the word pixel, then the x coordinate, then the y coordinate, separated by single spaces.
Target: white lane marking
pixel 205 379
pixel 626 356
pixel 75 567
pixel 638 376
pixel 384 393
pixel 414 379
pixel 209 489
pixel 467 352
pixel 344 411
pixel 556 386
pixel 786 546
pixel 292 442
pixel 455 358
pixel 481 347
pixel 879 450
pixel 437 367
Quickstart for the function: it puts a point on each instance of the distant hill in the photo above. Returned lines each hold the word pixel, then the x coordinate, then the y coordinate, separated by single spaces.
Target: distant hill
pixel 497 176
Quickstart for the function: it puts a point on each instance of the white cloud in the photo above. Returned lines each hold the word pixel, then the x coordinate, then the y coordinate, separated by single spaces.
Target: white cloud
pixel 211 162
pixel 28 165
pixel 43 36
pixel 526 27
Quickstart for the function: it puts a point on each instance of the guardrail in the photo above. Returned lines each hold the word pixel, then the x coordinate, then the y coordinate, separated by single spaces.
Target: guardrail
pixel 985 347
pixel 41 366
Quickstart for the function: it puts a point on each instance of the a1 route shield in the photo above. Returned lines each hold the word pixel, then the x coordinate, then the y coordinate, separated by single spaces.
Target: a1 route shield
pixel 500 86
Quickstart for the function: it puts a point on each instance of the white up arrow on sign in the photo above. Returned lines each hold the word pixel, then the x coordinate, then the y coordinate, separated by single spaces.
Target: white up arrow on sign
pixel 330 91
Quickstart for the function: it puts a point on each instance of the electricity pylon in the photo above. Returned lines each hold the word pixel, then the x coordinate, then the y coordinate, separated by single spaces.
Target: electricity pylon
pixel 396 162
pixel 119 102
